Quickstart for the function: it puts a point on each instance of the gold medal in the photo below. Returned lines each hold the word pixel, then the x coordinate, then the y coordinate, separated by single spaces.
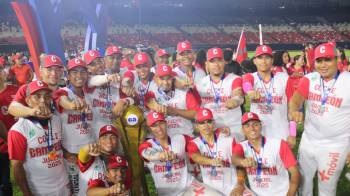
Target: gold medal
pixel 52 155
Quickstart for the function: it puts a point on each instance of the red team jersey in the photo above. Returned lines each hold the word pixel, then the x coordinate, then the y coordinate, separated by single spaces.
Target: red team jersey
pixel 6 96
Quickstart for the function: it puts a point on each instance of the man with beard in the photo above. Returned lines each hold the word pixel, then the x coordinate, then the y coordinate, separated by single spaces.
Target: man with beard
pixel 51 70
pixel 222 93
pixel 179 105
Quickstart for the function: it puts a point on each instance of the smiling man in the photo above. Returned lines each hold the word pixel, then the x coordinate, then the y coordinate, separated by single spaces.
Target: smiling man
pixel 268 94
pixel 267 161
pixel 325 142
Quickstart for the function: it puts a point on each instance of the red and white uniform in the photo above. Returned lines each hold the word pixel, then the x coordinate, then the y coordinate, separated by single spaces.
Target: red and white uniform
pixel 197 74
pixel 6 96
pixel 226 177
pixel 73 132
pixel 223 116
pixel 27 142
pixel 326 138
pixel 276 159
pixel 180 180
pixel 140 87
pixel 180 99
pixel 274 117
pixel 98 97
pixel 94 169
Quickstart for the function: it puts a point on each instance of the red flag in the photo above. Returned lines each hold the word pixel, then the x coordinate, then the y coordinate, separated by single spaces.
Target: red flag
pixel 241 53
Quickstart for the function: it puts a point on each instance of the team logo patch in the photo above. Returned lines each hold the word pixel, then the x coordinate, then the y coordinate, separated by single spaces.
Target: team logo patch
pixel 31 133
pixel 53 59
pixel 132 119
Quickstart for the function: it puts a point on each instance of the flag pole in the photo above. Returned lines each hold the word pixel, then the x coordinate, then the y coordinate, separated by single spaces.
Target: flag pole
pixel 260 35
pixel 239 42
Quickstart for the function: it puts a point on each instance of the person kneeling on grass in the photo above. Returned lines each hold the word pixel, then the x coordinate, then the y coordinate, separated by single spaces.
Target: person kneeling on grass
pixel 117 177
pixel 93 157
pixel 266 160
pixel 166 159
pixel 212 150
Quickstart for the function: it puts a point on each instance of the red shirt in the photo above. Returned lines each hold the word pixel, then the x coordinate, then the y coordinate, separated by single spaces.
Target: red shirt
pixel 6 96
pixel 22 74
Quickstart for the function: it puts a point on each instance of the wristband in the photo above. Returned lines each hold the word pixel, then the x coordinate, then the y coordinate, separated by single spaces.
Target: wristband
pixel 292 128
pixel 247 86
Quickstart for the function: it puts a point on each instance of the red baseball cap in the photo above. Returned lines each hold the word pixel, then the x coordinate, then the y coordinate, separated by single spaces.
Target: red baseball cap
pixel 2 61
pixel 183 46
pixel 112 50
pixel 164 70
pixel 108 129
pixel 248 116
pixel 162 52
pixel 204 114
pixel 76 62
pixel 116 161
pixel 154 117
pixel 35 86
pixel 90 56
pixel 141 58
pixel 125 63
pixel 263 49
pixel 214 53
pixel 325 50
pixel 52 60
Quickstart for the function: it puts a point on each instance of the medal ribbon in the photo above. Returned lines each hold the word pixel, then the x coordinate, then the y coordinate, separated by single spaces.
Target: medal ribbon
pixel 325 91
pixel 268 92
pixel 168 164
pixel 143 90
pixel 211 153
pixel 258 158
pixel 216 91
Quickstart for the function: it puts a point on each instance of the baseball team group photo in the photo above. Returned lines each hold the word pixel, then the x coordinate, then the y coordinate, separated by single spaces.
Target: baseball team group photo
pixel 174 98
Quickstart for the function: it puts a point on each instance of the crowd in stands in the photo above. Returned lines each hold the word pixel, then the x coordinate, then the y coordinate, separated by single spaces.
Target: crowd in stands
pixel 199 34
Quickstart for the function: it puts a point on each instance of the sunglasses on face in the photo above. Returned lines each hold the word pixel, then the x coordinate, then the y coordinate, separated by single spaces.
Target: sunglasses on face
pixel 206 122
